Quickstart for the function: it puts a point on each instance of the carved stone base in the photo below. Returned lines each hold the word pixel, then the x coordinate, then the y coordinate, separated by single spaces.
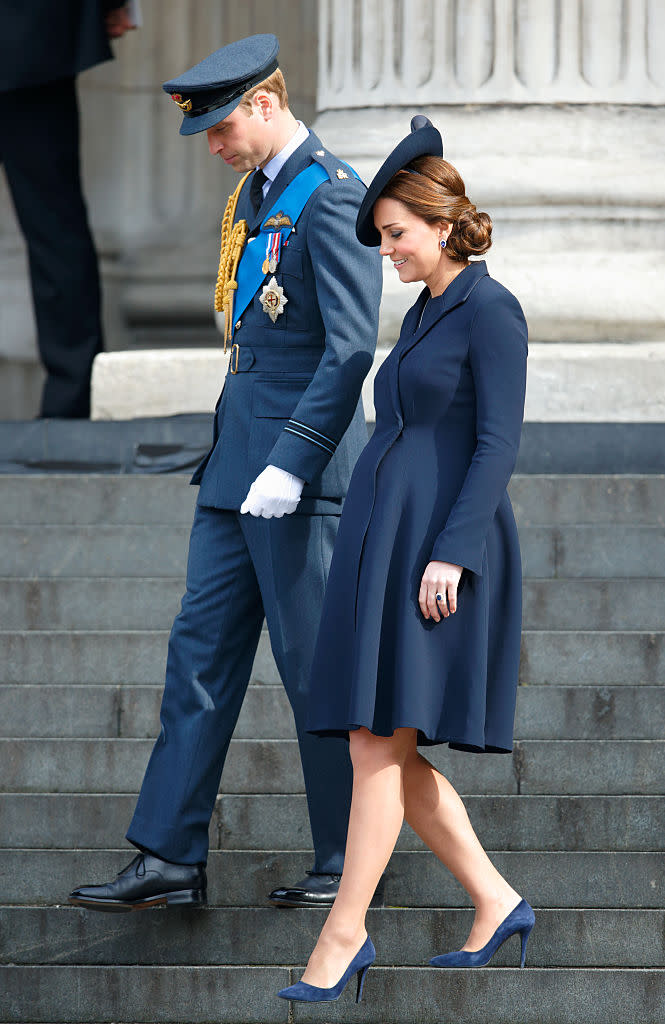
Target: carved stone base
pixel 572 383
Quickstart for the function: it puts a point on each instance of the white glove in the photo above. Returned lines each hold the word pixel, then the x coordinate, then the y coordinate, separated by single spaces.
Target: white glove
pixel 274 493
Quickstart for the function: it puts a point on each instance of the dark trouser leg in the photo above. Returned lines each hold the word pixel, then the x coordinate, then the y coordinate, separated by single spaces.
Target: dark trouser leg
pixel 211 651
pixel 292 557
pixel 39 146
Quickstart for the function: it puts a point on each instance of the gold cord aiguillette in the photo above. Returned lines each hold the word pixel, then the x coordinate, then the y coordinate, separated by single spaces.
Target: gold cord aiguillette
pixel 232 243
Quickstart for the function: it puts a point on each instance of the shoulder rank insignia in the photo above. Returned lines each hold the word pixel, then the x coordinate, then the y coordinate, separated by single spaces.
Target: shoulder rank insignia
pixel 320 152
pixel 279 220
pixel 341 174
pixel 273 299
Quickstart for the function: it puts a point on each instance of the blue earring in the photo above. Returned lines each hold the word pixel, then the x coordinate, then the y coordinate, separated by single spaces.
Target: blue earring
pixel 442 243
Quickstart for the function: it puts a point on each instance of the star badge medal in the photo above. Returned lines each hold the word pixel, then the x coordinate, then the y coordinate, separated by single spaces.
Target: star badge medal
pixel 273 299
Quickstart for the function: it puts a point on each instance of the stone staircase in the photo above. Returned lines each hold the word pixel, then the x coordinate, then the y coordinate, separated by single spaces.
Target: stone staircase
pixel 92 572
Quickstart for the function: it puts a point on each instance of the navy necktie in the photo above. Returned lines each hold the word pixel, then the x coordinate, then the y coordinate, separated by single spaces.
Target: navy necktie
pixel 256 189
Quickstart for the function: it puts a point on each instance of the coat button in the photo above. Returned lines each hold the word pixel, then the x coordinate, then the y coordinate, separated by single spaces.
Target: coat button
pixel 238 325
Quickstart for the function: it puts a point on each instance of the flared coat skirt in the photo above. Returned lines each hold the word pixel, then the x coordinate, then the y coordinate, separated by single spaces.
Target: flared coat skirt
pixel 378 662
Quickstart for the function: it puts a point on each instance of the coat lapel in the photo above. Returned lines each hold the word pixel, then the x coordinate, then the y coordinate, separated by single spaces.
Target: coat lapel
pixel 455 294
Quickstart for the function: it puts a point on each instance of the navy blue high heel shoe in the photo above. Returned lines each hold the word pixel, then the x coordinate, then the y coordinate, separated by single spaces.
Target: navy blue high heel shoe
pixel 521 920
pixel 361 963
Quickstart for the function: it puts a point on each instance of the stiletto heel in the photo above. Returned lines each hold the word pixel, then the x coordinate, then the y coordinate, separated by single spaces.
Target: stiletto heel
pixel 361 963
pixel 361 983
pixel 521 920
pixel 525 933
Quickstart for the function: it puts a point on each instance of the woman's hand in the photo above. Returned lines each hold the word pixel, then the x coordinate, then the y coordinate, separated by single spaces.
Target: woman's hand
pixel 440 578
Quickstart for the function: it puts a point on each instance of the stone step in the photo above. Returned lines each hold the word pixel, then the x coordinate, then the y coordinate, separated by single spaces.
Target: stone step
pixel 159 499
pixel 132 712
pixel 573 552
pixel 73 657
pixel 110 604
pixel 259 936
pixel 241 878
pixel 586 658
pixel 81 499
pixel 100 603
pixel 560 657
pixel 630 499
pixel 402 995
pixel 566 767
pixel 268 822
pixel 592 604
pixel 600 550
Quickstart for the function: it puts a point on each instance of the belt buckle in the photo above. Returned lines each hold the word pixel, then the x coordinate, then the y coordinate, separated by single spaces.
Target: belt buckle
pixel 232 368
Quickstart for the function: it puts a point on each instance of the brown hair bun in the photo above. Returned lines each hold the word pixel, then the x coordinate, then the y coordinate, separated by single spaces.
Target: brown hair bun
pixel 433 189
pixel 471 234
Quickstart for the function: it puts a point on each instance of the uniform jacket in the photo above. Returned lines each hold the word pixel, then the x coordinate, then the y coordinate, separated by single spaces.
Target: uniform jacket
pixel 45 40
pixel 295 401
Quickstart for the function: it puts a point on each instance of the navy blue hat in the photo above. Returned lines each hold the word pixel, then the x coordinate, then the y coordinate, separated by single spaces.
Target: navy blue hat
pixel 209 91
pixel 423 140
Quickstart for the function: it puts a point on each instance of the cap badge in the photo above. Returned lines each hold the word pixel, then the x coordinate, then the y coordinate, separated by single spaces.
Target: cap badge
pixel 279 220
pixel 273 299
pixel 185 105
pixel 341 174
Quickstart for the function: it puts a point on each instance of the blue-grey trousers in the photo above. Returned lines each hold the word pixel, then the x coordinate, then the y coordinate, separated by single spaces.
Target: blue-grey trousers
pixel 240 569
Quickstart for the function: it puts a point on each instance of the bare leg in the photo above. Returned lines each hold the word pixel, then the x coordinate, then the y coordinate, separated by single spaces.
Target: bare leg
pixel 377 812
pixel 434 810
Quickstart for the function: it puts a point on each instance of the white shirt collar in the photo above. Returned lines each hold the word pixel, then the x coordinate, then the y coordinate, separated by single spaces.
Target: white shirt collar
pixel 274 166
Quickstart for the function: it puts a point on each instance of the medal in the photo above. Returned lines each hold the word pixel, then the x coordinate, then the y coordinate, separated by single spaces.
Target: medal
pixel 273 299
pixel 273 246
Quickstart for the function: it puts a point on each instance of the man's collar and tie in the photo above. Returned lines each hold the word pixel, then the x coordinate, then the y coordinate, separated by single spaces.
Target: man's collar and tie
pixel 264 177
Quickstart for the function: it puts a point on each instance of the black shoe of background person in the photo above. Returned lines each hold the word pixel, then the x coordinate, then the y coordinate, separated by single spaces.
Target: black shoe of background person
pixel 315 890
pixel 145 883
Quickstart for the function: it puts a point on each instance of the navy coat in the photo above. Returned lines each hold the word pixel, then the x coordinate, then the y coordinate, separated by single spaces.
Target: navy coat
pixel 294 402
pixel 431 484
pixel 43 41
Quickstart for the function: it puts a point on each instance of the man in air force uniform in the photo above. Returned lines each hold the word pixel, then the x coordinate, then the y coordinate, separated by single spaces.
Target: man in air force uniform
pixel 300 300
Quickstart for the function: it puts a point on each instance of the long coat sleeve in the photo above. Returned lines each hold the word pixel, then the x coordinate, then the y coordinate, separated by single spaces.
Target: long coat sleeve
pixel 497 356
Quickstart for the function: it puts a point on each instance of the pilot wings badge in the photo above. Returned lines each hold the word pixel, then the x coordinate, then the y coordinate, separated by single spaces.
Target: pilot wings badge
pixel 273 299
pixel 278 220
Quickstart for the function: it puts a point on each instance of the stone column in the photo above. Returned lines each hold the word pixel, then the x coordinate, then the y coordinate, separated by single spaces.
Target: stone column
pixel 552 110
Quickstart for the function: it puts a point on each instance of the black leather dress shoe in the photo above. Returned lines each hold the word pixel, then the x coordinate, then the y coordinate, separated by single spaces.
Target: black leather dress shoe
pixel 145 883
pixel 314 891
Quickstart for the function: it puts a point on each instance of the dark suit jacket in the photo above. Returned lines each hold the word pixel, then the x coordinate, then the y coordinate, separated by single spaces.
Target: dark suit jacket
pixel 44 40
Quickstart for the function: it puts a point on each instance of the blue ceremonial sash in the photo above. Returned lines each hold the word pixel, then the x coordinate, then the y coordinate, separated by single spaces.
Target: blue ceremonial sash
pixel 291 202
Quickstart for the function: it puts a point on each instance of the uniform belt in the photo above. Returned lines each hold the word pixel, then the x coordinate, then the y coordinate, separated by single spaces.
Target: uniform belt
pixel 257 358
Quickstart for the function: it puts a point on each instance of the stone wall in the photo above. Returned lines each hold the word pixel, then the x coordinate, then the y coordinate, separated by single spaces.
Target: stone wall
pixel 551 109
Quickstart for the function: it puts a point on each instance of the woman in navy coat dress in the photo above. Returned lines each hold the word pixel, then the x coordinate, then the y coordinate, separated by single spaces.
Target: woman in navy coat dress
pixel 420 634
